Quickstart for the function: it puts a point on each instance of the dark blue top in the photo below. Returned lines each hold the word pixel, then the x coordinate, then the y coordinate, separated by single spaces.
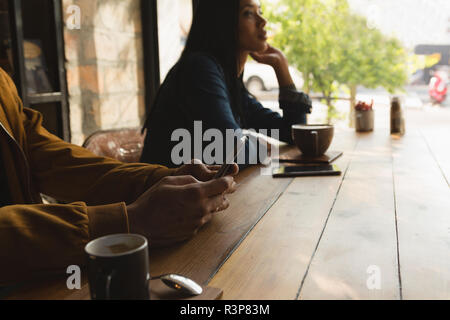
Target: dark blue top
pixel 195 90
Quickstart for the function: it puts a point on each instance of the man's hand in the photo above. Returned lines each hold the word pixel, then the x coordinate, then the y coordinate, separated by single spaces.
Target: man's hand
pixel 203 172
pixel 176 207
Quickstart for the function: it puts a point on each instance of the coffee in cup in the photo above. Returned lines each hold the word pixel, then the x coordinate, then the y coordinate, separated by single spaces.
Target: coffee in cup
pixel 313 140
pixel 118 267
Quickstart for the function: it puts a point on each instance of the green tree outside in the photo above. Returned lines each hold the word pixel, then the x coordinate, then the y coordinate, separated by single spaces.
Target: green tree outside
pixel 333 47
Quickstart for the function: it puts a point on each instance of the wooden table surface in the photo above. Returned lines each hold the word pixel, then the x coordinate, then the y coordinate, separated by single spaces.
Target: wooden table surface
pixel 381 230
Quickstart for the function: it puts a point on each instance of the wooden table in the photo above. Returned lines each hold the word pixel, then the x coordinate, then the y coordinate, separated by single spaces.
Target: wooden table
pixel 381 230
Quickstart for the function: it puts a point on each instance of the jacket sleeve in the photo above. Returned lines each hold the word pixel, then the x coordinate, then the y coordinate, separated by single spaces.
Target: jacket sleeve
pixel 71 173
pixel 45 239
pixel 39 240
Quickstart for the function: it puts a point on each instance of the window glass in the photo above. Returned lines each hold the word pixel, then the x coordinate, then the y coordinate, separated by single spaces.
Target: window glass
pixel 344 51
pixel 174 22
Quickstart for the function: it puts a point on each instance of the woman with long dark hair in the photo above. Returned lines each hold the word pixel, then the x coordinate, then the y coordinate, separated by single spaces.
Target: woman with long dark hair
pixel 206 83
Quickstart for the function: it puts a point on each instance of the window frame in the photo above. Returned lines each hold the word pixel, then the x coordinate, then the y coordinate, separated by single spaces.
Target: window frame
pixel 152 78
pixel 57 97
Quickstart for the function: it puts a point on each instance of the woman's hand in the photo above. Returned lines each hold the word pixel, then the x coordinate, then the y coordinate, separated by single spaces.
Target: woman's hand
pixel 278 61
pixel 271 56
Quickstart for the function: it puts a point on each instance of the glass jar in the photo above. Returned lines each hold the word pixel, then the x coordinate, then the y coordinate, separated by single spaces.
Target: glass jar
pixel 397 117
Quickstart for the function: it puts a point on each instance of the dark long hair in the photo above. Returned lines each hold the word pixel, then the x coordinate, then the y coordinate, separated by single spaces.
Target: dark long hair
pixel 214 31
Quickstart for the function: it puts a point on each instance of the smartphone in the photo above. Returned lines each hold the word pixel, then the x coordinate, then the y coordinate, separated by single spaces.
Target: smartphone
pixel 304 171
pixel 226 166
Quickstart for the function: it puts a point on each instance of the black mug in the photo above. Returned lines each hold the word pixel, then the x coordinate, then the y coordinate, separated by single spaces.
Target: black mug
pixel 118 267
pixel 313 140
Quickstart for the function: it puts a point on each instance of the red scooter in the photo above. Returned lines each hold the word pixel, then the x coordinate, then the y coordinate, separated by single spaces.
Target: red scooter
pixel 438 87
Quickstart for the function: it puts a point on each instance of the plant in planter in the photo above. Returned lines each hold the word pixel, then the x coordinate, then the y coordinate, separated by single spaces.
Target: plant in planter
pixel 364 118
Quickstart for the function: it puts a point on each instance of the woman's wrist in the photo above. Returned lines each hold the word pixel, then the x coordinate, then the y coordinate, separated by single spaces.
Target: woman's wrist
pixel 280 64
pixel 283 74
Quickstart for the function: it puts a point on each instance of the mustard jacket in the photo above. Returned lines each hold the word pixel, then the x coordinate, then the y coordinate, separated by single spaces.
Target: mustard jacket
pixel 38 239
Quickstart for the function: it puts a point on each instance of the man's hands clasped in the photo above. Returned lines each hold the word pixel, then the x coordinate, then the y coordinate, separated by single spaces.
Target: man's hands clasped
pixel 177 206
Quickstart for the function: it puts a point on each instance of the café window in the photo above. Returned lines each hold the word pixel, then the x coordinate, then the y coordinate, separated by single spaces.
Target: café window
pixel 166 24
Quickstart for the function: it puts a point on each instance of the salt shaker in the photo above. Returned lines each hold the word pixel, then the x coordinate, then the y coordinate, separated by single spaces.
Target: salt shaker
pixel 397 119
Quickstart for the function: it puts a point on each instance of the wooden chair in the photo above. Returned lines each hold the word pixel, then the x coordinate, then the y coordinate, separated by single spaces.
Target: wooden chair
pixel 122 144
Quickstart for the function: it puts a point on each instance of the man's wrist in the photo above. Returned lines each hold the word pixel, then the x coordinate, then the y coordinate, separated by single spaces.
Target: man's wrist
pixel 108 219
pixel 131 213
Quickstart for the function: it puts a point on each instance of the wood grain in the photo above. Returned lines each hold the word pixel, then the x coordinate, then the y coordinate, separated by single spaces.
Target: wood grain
pixel 438 143
pixel 359 241
pixel 202 256
pixel 316 237
pixel 55 289
pixel 423 210
pixel 271 261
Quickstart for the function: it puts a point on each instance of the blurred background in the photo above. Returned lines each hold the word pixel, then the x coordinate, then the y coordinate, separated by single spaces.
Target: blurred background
pixel 95 65
pixel 364 50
